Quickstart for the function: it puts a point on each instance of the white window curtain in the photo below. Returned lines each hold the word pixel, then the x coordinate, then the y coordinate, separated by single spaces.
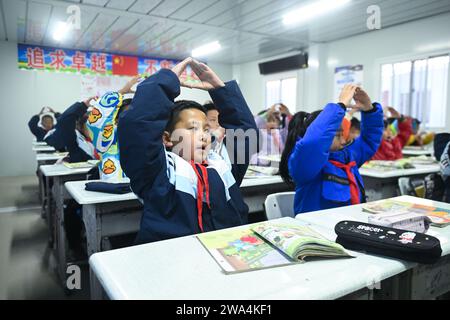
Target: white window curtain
pixel 417 88
pixel 282 91
pixel 437 86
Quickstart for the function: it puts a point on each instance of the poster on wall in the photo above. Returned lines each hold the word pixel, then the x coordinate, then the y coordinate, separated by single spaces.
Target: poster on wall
pixel 33 57
pixel 92 85
pixel 347 74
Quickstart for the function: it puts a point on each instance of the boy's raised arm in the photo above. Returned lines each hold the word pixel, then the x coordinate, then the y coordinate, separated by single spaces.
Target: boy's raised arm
pixel 140 129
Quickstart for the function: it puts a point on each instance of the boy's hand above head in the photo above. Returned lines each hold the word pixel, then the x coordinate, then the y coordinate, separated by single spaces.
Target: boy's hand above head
pixel 179 68
pixel 362 100
pixel 347 94
pixel 209 79
pixel 129 85
pixel 87 102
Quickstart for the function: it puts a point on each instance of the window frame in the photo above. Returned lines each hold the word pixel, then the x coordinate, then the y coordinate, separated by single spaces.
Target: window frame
pixel 280 77
pixel 414 57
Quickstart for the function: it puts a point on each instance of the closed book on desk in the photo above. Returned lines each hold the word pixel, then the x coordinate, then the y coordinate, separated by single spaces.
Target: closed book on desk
pixel 267 245
pixel 439 217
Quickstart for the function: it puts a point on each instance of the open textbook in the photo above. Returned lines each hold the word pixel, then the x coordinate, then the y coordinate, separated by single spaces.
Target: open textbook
pixel 439 217
pixel 266 245
pixel 385 165
pixel 406 163
pixel 257 172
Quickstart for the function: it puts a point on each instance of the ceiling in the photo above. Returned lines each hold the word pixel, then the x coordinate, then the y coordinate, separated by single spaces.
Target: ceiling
pixel 247 29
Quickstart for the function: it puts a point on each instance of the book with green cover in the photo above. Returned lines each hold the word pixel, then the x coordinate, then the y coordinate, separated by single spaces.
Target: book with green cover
pixel 266 245
pixel 439 217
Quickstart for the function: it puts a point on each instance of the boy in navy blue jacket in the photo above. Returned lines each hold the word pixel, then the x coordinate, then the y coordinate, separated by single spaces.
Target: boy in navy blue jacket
pixel 186 188
pixel 71 133
pixel 41 124
pixel 317 159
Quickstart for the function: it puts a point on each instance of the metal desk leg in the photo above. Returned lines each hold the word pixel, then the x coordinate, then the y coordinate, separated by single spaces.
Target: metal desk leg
pixel 41 188
pixel 96 288
pixel 47 205
pixel 93 238
pixel 61 242
pixel 93 229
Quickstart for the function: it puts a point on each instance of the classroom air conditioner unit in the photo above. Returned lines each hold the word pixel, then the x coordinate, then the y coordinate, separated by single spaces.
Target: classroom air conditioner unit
pixel 299 61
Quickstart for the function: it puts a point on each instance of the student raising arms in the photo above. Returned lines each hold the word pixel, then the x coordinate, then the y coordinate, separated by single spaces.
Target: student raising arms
pixel 186 188
pixel 317 160
pixel 397 130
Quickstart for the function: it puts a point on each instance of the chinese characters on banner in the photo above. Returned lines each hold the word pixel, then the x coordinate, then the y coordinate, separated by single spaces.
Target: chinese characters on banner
pixel 345 75
pixel 32 57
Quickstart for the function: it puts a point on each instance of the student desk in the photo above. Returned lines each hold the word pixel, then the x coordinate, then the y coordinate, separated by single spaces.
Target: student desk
pixel 421 281
pixel 58 174
pixel 45 148
pixel 39 143
pixel 97 206
pixel 417 151
pixel 110 214
pixel 105 215
pixel 42 159
pixel 383 184
pixel 181 268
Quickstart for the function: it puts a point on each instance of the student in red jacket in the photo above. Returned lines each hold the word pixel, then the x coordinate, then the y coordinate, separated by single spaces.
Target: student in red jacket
pixel 393 142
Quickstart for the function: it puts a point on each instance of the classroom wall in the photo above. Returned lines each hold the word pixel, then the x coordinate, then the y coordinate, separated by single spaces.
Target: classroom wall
pixel 430 35
pixel 24 93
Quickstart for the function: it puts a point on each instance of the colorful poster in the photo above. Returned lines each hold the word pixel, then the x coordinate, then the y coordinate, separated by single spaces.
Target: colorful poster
pixel 345 75
pixel 31 57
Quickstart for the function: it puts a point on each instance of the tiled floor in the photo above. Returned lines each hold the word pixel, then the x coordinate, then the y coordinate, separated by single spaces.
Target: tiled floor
pixel 26 263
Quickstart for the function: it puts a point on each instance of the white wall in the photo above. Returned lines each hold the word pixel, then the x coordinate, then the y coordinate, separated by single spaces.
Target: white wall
pixel 24 93
pixel 426 36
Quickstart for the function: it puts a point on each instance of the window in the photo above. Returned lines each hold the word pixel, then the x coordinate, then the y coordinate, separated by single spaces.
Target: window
pixel 282 91
pixel 417 88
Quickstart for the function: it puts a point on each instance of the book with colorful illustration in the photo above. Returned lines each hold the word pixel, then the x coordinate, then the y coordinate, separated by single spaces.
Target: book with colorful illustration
pixel 387 165
pixel 266 245
pixel 439 217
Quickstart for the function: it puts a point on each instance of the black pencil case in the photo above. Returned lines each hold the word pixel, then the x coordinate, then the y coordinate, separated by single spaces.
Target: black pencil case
pixel 391 242
pixel 107 187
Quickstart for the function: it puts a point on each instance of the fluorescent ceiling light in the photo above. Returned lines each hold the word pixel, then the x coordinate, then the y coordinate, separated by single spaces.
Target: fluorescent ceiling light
pixel 206 49
pixel 61 30
pixel 313 10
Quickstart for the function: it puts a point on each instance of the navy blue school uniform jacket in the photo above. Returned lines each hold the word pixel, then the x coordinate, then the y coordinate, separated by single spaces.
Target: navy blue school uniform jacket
pixel 66 137
pixel 165 182
pixel 325 179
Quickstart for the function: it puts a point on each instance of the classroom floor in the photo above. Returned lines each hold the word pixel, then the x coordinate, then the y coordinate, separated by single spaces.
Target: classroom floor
pixel 26 263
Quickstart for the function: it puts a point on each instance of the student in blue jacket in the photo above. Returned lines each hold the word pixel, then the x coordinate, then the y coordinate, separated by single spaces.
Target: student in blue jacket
pixel 317 160
pixel 186 187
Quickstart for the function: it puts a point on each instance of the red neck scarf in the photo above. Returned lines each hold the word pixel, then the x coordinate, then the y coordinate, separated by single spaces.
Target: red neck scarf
pixel 202 185
pixel 354 190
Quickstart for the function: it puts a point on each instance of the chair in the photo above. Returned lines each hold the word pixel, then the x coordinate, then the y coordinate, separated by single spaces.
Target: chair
pixel 279 205
pixel 411 187
pixel 403 184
